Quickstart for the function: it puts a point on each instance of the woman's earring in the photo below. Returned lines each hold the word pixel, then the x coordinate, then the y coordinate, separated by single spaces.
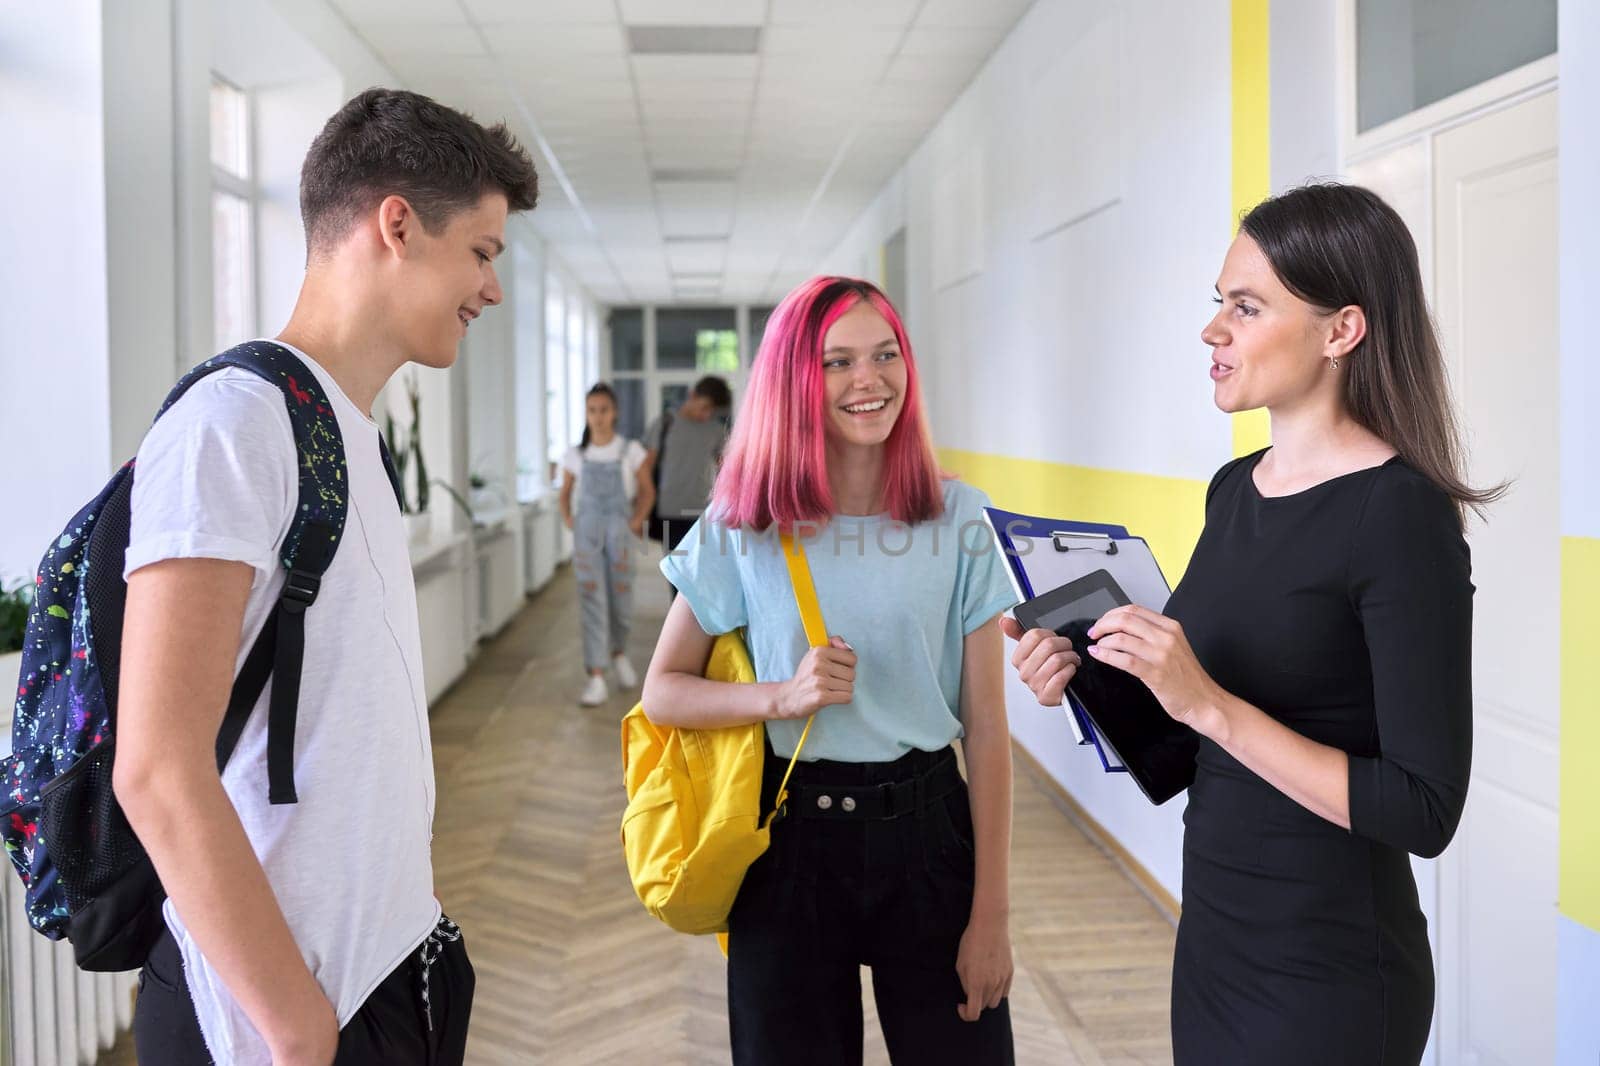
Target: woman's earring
pixel 1335 364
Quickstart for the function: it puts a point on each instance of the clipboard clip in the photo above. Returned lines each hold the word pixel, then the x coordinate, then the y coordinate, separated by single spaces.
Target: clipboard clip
pixel 1097 542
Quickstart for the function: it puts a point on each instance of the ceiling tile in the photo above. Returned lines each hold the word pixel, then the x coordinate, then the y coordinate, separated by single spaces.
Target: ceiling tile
pixel 837 13
pixel 966 13
pixel 649 69
pixel 769 125
pixel 694 12
pixel 547 12
pixel 686 257
pixel 453 38
pixel 824 47
pixel 362 12
pixel 540 40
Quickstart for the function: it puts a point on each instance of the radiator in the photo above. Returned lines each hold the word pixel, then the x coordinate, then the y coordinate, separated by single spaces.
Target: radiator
pixel 52 1014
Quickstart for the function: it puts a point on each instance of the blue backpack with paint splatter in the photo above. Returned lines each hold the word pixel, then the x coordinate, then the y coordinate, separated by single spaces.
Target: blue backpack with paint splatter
pixel 86 875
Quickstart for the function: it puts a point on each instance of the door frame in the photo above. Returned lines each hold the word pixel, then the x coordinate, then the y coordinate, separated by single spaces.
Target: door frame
pixel 1496 94
pixel 1439 897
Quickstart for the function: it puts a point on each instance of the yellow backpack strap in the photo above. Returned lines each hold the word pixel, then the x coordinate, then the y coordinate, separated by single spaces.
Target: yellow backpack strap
pixel 805 595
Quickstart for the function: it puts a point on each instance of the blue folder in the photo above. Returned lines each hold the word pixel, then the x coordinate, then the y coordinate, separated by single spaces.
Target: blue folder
pixel 1048 545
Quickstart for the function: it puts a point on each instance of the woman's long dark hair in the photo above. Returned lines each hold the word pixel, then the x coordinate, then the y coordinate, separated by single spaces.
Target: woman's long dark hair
pixel 1335 245
pixel 602 389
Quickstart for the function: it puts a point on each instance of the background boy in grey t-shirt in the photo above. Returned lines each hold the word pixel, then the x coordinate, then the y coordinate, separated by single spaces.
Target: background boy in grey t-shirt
pixel 685 447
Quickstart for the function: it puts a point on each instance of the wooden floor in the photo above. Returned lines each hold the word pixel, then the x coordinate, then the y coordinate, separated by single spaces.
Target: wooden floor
pixel 572 972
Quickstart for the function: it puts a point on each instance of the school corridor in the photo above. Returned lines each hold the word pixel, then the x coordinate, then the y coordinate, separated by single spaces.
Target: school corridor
pixel 1048 193
pixel 572 970
pixel 568 962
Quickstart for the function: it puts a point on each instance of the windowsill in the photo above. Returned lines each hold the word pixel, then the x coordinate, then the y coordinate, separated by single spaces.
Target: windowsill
pixel 490 525
pixel 434 554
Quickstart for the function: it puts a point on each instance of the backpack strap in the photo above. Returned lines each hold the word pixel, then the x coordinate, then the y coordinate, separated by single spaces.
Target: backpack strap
pixel 307 551
pixel 805 598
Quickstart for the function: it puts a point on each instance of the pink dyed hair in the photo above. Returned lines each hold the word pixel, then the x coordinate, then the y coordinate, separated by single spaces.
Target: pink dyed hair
pixel 775 468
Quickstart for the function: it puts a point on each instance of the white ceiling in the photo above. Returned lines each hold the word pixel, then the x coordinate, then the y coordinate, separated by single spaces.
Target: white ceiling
pixel 695 177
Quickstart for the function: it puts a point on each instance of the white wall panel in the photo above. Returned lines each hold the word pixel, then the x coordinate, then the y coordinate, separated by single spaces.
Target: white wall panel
pixel 1107 130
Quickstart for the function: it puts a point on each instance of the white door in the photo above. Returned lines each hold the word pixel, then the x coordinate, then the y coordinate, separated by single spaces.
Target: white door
pixel 1495 286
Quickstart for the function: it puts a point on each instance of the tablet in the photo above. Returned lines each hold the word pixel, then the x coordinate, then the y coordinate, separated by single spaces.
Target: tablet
pixel 1086 599
pixel 1158 753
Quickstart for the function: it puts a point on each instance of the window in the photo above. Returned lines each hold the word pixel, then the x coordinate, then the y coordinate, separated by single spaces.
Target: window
pixel 578 380
pixel 1411 53
pixel 627 339
pixel 758 329
pixel 233 244
pixel 704 340
pixel 557 439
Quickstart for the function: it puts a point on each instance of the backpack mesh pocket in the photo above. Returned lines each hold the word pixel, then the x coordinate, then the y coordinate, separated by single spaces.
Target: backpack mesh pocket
pixel 89 840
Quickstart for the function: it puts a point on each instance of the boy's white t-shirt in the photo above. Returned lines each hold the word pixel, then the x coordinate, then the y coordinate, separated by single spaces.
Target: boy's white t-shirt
pixel 630 453
pixel 350 863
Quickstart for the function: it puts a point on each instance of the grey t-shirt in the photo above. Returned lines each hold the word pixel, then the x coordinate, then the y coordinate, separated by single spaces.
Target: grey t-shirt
pixel 689 462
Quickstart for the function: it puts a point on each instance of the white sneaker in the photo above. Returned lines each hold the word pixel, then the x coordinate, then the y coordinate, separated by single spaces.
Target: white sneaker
pixel 594 693
pixel 624 670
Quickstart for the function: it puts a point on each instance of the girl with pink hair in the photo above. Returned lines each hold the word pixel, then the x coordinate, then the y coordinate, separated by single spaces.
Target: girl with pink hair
pixel 885 857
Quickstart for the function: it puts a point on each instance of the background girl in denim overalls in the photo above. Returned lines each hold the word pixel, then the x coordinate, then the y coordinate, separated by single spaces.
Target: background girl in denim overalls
pixel 606 495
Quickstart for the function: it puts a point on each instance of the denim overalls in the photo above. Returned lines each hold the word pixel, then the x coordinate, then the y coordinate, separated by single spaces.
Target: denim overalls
pixel 603 560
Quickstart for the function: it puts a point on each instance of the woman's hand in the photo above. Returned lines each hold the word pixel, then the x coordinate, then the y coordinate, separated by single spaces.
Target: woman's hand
pixel 1153 648
pixel 566 516
pixel 1044 661
pixel 825 677
pixel 636 525
pixel 983 962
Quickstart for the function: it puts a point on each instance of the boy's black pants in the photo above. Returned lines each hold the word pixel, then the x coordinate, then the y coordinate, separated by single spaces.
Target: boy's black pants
pixel 392 1028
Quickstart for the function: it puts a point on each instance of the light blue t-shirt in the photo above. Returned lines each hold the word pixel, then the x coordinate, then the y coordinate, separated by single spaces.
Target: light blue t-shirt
pixel 904 597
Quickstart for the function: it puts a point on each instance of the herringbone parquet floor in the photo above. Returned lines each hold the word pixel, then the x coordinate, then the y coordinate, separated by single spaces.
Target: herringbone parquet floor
pixel 572 972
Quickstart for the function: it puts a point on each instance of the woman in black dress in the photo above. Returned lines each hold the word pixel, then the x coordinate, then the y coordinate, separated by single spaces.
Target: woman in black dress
pixel 1320 644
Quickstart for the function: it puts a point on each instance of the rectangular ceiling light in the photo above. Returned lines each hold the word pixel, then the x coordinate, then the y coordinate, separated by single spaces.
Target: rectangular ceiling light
pixel 694 40
pixel 696 176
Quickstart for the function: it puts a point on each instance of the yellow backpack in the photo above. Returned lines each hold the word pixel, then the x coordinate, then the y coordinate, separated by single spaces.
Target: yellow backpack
pixel 694 824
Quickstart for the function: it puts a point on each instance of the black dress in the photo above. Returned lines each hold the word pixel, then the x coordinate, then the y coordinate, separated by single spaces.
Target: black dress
pixel 1345 612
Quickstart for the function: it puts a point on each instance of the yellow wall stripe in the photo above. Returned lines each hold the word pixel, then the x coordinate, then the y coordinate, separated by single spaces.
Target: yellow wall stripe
pixel 1580 730
pixel 1252 157
pixel 1166 511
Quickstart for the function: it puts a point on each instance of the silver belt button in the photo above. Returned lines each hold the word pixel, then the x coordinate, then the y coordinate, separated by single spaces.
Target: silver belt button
pixel 824 802
pixel 848 803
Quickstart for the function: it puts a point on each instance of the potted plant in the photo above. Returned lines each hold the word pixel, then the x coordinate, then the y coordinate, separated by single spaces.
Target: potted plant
pixel 14 606
pixel 403 448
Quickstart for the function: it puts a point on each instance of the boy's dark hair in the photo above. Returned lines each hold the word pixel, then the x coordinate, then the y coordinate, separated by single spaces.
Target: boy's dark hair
pixel 392 142
pixel 714 389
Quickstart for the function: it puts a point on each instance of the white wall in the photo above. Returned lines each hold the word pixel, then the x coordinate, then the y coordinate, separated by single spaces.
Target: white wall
pixel 288 116
pixel 1065 222
pixel 141 250
pixel 1580 267
pixel 1305 86
pixel 491 356
pixel 55 407
pixel 526 297
pixel 1078 244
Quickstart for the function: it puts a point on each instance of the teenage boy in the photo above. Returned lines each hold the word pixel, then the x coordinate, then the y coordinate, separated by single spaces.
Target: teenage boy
pixel 308 932
pixel 684 448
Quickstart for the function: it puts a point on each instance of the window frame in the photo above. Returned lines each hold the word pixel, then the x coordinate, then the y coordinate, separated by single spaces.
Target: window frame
pixel 244 188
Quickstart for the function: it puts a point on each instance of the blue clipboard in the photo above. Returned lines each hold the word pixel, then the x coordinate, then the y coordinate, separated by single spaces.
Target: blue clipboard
pixel 1045 553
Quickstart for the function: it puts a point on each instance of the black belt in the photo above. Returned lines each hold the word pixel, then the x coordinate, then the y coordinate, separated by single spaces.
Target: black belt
pixel 888 800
